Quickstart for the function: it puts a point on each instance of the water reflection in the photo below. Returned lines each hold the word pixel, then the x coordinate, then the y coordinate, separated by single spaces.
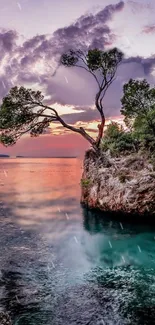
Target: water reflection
pixel 37 189
pixel 124 274
pixel 117 243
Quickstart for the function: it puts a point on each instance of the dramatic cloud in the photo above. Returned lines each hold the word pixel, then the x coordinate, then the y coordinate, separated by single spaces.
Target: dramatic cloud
pixel 137 6
pixel 34 62
pixel 90 30
pixel 87 115
pixel 7 42
pixel 149 29
pixel 147 64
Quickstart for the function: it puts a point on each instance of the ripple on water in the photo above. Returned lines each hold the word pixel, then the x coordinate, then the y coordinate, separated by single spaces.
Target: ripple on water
pixel 118 296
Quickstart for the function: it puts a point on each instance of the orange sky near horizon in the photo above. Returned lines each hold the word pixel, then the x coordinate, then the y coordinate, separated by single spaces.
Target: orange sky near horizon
pixel 30 56
pixel 61 142
pixel 90 126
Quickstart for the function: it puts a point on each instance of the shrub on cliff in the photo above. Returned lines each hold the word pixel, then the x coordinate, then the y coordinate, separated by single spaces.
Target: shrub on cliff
pixel 117 140
pixel 138 108
pixel 85 182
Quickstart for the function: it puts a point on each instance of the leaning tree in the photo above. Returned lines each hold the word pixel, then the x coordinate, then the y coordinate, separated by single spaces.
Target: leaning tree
pixel 24 110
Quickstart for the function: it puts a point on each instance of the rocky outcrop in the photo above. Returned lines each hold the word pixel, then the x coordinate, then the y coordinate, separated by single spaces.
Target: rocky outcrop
pixel 125 184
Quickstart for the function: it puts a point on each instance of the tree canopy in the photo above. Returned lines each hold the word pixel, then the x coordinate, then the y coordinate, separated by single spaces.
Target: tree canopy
pixel 117 140
pixel 102 65
pixel 138 109
pixel 24 110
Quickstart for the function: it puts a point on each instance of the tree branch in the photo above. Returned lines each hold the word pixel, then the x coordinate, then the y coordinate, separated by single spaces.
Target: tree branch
pixel 20 133
pixel 46 107
pixel 80 66
pixel 77 130
pixel 70 127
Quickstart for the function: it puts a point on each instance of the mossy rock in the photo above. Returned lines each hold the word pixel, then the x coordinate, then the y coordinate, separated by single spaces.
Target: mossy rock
pixel 85 182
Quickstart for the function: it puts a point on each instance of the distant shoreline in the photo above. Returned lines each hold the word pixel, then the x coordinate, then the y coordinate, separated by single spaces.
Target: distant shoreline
pixel 2 157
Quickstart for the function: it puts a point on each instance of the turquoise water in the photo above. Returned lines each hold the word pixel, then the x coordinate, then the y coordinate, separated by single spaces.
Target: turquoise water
pixel 63 264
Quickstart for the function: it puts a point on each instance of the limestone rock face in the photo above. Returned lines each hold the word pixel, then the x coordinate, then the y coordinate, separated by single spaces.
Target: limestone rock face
pixel 125 184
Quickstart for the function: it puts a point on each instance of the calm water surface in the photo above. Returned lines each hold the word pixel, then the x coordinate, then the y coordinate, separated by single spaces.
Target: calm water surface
pixel 64 265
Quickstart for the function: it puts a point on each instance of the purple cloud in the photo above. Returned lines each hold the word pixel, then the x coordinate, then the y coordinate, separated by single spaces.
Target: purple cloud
pixel 7 42
pixel 87 115
pixel 33 42
pixel 89 31
pixel 149 29
pixel 147 64
pixel 139 6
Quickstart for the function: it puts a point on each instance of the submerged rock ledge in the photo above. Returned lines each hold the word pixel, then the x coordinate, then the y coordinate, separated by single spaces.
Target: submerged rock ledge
pixel 125 184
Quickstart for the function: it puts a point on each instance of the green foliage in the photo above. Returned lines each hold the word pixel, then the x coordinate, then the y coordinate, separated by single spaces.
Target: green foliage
pixel 113 131
pixel 138 107
pixel 85 182
pixel 70 59
pixel 117 140
pixel 22 110
pixel 137 98
pixel 104 61
pixel 144 130
pixel 7 140
pixel 19 114
pixel 94 59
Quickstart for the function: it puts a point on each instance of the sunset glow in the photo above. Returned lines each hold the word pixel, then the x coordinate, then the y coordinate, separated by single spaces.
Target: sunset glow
pixel 30 54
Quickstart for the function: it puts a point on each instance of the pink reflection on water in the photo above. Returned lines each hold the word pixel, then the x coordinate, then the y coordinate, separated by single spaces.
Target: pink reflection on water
pixel 37 190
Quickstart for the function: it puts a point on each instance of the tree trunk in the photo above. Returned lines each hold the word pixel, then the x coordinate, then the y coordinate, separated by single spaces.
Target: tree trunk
pixel 89 139
pixel 100 131
pixel 98 103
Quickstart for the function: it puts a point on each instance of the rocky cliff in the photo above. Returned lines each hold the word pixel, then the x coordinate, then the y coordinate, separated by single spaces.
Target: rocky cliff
pixel 125 184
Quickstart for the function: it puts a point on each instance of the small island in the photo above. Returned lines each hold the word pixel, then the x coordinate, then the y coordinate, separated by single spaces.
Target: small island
pixel 122 177
pixel 4 156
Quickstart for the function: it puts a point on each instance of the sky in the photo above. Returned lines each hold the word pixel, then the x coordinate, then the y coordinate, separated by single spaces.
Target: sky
pixel 33 35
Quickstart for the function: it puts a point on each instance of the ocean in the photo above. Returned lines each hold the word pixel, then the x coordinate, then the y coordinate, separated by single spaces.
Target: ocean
pixel 62 264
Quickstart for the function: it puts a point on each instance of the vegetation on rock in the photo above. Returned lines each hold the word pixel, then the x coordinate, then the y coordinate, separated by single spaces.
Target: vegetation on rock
pixel 85 182
pixel 117 140
pixel 25 111
pixel 138 108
